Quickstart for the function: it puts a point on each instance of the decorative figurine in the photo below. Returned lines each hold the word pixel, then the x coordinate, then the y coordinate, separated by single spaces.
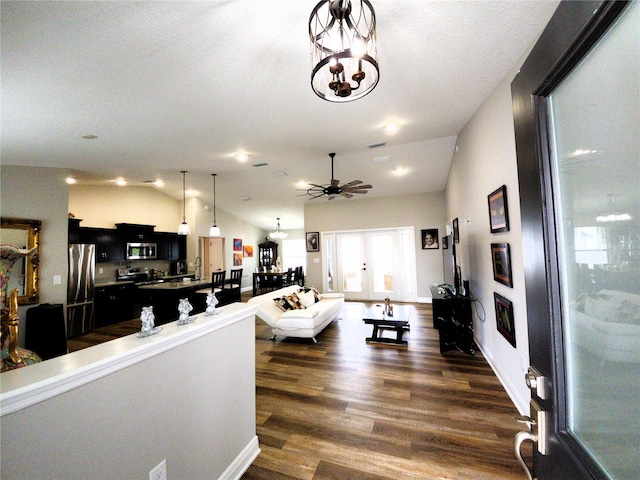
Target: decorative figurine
pixel 184 307
pixel 212 301
pixel 387 304
pixel 148 322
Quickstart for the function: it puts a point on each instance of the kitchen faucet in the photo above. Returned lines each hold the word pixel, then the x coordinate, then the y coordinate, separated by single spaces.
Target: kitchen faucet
pixel 198 265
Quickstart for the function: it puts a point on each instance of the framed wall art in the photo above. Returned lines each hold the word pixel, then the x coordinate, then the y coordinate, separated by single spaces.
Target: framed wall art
pixel 430 239
pixel 501 259
pixel 504 318
pixel 498 210
pixel 237 244
pixel 247 251
pixel 313 241
pixel 237 259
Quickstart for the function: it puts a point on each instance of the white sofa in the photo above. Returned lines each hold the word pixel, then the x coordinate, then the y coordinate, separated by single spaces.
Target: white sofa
pixel 304 322
pixel 607 323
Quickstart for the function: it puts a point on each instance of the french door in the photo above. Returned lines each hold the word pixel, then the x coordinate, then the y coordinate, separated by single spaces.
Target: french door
pixel 576 104
pixel 371 265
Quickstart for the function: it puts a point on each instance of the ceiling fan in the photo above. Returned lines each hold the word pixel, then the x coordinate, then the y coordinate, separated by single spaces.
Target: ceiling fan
pixel 334 189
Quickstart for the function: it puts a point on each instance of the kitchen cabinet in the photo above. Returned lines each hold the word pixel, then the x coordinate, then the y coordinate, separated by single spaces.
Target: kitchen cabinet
pixel 171 246
pixel 114 304
pixel 135 233
pixel 108 243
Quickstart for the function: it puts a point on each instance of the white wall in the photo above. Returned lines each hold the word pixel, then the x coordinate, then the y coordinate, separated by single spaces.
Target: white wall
pixel 40 194
pixel 421 211
pixel 486 160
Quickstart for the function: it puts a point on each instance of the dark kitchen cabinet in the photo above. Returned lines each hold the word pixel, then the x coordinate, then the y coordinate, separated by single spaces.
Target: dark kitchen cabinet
pixel 135 233
pixel 171 246
pixel 108 243
pixel 114 304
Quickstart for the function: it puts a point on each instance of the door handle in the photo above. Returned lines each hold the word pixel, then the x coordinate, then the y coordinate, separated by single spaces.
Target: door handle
pixel 522 437
pixel 536 433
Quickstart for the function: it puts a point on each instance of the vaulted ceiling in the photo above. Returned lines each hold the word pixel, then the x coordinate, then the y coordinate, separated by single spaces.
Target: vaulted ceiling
pixel 171 86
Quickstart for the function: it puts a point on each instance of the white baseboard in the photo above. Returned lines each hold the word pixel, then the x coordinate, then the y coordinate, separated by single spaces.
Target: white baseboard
pixel 521 404
pixel 242 462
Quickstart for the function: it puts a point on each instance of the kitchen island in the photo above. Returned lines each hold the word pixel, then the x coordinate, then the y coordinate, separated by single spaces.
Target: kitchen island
pixel 164 297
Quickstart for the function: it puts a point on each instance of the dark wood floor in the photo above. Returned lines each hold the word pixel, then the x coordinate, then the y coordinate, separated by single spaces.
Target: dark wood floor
pixel 344 409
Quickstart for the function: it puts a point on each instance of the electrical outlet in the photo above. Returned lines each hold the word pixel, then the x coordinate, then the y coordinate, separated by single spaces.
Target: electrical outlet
pixel 100 270
pixel 159 472
pixel 57 279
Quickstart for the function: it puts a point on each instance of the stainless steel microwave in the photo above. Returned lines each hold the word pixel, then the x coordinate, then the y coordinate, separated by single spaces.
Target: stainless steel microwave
pixel 141 251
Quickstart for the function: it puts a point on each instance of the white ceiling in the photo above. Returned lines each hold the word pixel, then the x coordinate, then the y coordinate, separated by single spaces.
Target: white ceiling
pixel 170 86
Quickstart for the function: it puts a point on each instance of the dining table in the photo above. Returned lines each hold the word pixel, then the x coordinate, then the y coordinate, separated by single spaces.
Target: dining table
pixel 268 281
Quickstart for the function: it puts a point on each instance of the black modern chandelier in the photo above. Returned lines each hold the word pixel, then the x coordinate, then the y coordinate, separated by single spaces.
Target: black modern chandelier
pixel 344 56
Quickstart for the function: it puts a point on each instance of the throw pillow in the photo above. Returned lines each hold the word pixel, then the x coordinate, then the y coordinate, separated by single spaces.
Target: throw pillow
pixel 294 301
pixel 282 303
pixel 307 298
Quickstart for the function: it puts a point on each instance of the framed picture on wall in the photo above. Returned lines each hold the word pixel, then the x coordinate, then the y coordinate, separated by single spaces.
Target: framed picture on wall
pixel 237 244
pixel 504 318
pixel 498 210
pixel 430 239
pixel 501 259
pixel 247 251
pixel 313 241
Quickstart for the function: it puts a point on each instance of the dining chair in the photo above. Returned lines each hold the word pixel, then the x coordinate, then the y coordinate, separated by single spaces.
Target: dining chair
pixel 231 289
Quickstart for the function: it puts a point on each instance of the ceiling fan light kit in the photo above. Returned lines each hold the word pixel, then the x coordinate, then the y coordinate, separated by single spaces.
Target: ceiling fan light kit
pixel 344 55
pixel 334 189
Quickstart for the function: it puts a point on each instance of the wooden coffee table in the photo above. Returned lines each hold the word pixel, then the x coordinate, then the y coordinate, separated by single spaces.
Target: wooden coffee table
pixel 399 322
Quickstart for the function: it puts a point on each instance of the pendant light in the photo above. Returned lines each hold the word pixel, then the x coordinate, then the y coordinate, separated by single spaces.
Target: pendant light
pixel 278 233
pixel 214 231
pixel 344 56
pixel 184 228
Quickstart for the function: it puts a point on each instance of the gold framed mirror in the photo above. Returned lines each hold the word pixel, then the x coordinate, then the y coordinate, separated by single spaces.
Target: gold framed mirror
pixel 24 234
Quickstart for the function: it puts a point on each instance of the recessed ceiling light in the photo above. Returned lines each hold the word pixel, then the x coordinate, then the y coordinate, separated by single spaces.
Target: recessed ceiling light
pixel 121 182
pixel 391 128
pixel 191 193
pixel 399 171
pixel 70 180
pixel 89 137
pixel 242 157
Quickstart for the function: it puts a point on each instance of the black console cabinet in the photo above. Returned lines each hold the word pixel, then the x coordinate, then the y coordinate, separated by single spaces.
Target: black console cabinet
pixel 452 317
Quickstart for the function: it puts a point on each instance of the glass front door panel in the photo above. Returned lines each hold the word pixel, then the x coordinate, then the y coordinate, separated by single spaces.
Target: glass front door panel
pixel 595 115
pixel 382 262
pixel 352 263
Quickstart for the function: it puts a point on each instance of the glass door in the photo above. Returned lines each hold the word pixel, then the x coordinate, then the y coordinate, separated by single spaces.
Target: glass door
pixel 372 265
pixel 581 227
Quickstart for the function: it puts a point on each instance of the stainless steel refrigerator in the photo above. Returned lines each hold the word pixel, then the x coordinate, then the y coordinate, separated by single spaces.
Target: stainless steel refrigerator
pixel 80 289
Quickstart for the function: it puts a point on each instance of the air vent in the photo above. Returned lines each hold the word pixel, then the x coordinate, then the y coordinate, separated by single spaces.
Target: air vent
pixel 376 145
pixel 384 158
pixel 246 199
pixel 279 174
